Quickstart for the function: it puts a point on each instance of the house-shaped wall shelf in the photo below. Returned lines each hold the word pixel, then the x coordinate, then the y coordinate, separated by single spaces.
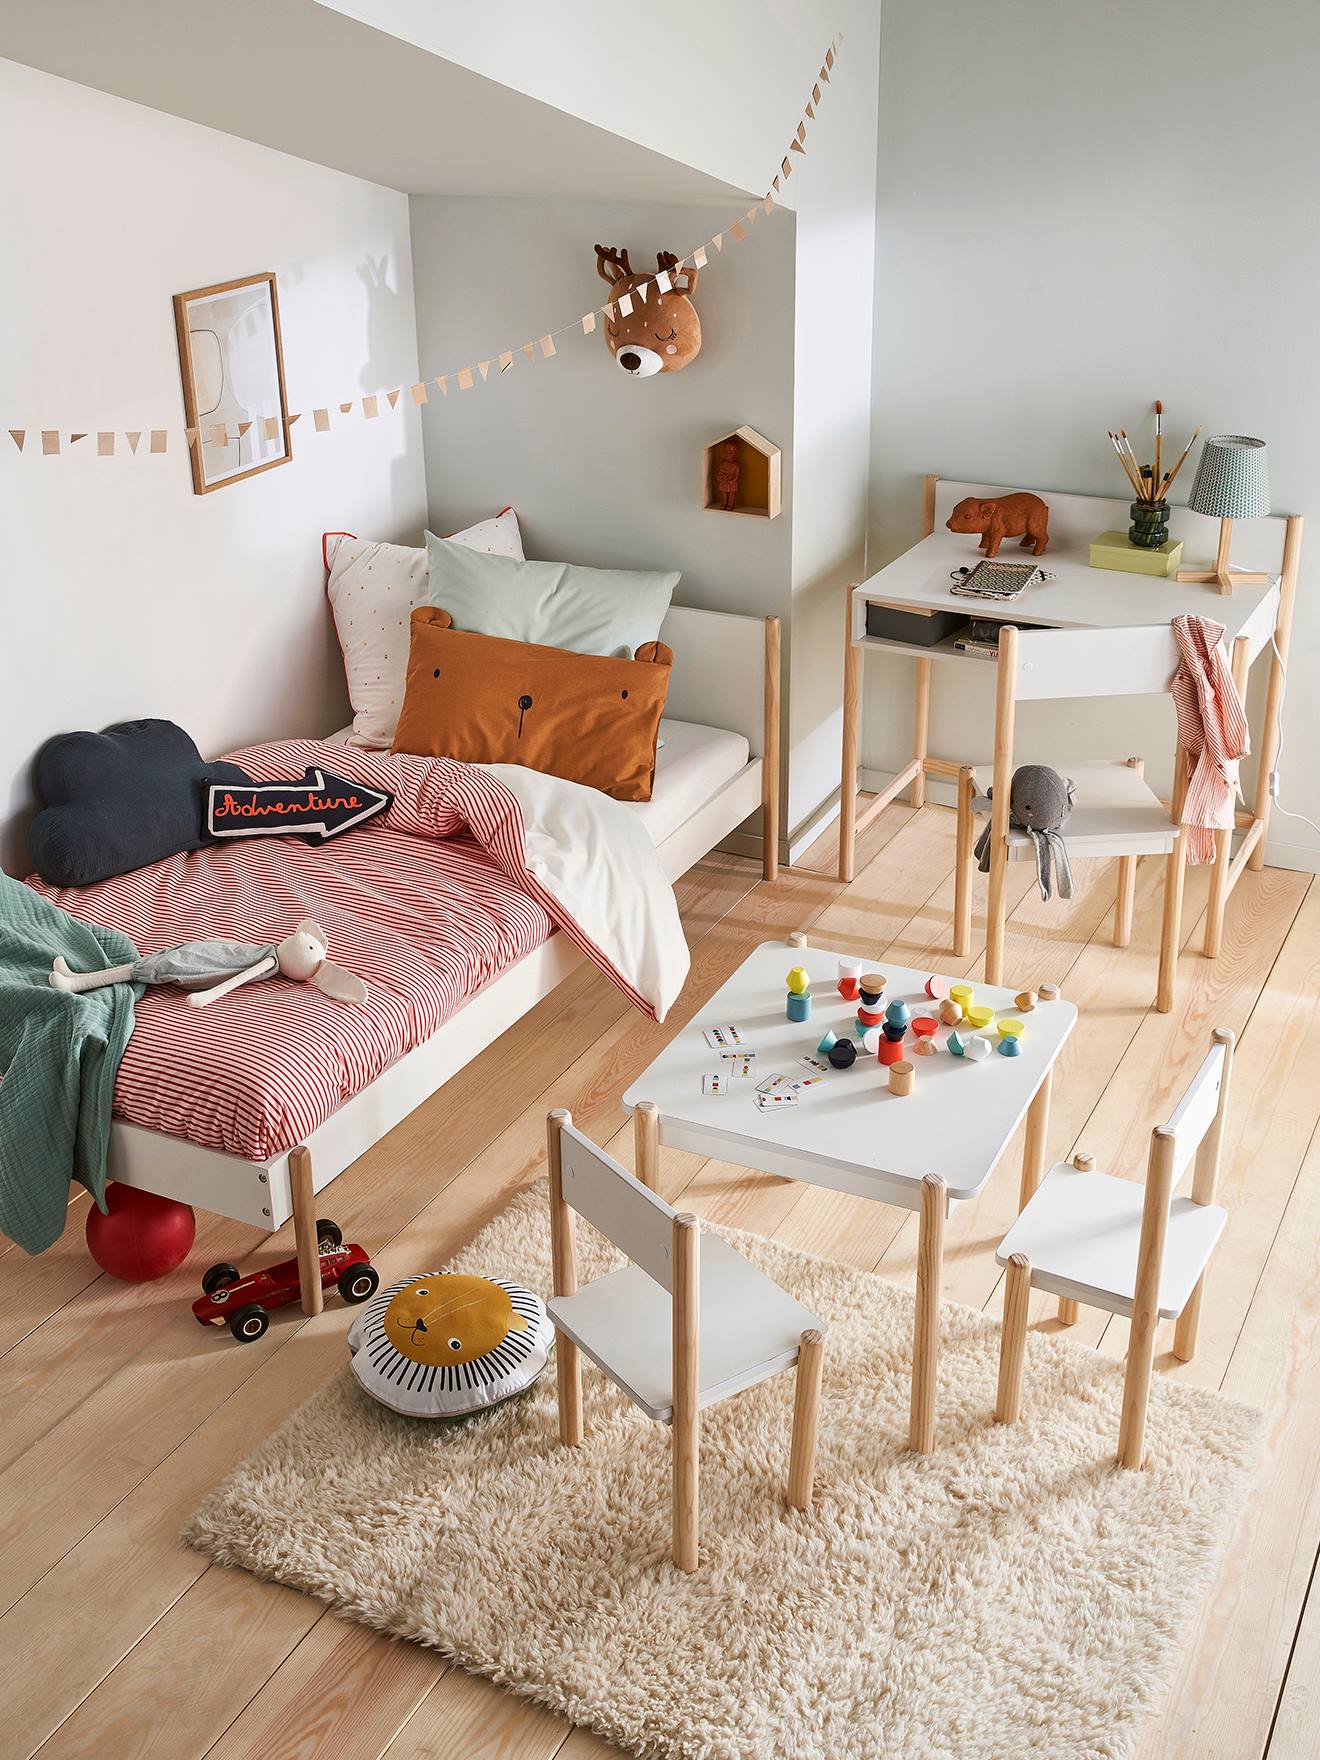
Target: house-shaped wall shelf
pixel 758 474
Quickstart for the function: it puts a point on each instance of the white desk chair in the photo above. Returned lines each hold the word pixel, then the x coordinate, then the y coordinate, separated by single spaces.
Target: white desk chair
pixel 1115 811
pixel 641 1324
pixel 1090 1237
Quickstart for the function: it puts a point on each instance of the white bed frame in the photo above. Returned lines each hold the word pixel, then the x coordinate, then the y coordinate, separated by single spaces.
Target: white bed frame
pixel 726 674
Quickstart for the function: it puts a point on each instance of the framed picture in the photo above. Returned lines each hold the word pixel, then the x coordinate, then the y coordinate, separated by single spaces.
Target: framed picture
pixel 232 363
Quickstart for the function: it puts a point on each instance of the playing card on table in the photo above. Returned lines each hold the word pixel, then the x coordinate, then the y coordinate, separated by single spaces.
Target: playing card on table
pixel 740 1064
pixel 725 1038
pixel 717 1083
pixel 772 1102
pixel 818 1066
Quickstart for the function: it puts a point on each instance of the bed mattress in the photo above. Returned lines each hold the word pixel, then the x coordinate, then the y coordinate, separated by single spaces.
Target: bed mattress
pixel 426 923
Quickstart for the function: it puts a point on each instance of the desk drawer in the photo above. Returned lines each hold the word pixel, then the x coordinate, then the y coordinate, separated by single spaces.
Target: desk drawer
pixel 921 628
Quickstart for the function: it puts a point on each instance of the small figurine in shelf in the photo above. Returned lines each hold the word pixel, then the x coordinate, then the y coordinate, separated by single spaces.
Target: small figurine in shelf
pixel 728 475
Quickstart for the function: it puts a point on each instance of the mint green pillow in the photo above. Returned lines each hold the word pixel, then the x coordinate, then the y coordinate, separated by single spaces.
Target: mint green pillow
pixel 556 604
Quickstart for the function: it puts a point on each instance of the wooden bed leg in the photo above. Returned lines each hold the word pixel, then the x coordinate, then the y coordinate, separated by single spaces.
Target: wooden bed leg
pixel 770 759
pixel 304 1229
pixel 646 1143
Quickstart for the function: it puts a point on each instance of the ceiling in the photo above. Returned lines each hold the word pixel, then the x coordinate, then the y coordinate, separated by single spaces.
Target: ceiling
pixel 307 80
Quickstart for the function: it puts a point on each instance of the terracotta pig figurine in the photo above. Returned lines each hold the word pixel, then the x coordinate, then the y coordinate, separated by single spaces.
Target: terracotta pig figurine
pixel 1012 516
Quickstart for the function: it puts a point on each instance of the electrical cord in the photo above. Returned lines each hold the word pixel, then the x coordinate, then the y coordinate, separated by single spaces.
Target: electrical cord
pixel 1278 748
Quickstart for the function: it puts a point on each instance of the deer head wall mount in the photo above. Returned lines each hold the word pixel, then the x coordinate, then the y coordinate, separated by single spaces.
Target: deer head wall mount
pixel 662 333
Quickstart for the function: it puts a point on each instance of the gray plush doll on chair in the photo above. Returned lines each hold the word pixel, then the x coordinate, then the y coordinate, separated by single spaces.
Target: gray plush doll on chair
pixel 1039 802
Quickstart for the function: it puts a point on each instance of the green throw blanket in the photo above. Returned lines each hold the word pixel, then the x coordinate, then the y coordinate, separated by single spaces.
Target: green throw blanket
pixel 59 1055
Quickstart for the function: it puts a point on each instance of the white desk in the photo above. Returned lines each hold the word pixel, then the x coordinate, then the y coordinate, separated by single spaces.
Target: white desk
pixel 1081 597
pixel 848 1132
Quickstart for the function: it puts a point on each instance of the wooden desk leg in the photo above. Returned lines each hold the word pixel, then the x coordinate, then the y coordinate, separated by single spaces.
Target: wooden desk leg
pixel 852 705
pixel 926 1321
pixel 964 865
pixel 1036 1141
pixel 921 731
pixel 1174 875
pixel 306 1244
pixel 1214 910
pixel 1269 737
pixel 806 1418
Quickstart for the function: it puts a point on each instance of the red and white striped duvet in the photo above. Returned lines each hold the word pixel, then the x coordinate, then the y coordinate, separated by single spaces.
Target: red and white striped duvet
pixel 427 903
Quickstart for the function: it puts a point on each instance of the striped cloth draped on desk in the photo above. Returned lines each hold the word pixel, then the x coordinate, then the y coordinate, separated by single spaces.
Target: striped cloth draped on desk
pixel 1212 729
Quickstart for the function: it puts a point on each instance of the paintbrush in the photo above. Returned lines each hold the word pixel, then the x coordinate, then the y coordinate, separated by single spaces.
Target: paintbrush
pixel 1182 459
pixel 1122 459
pixel 1159 447
pixel 1136 468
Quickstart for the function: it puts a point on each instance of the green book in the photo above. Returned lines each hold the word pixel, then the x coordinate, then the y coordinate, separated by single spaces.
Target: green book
pixel 1112 550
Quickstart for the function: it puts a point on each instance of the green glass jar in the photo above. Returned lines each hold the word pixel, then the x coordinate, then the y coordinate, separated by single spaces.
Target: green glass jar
pixel 1150 524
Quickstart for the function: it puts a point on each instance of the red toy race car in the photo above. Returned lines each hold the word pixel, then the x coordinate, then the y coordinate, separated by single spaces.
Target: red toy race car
pixel 244 1303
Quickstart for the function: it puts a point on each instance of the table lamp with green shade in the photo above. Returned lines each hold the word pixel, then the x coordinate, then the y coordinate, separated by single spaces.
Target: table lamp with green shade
pixel 1232 482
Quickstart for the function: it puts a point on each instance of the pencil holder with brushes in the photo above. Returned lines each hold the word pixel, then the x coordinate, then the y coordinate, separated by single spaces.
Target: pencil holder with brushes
pixel 1150 524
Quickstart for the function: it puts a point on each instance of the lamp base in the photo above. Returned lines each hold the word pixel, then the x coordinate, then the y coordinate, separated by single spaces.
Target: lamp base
pixel 1221 575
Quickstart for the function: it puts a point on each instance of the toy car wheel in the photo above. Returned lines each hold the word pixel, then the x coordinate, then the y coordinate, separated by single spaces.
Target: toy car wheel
pixel 249 1323
pixel 329 1235
pixel 218 1277
pixel 359 1283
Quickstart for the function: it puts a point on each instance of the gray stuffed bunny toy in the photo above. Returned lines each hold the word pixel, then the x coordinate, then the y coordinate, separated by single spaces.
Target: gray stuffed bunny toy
pixel 1039 802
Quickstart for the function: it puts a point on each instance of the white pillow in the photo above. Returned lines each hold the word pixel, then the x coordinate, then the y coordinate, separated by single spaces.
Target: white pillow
pixel 374 590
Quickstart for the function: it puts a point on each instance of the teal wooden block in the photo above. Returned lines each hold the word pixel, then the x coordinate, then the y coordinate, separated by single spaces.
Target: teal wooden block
pixel 956 1044
pixel 831 1038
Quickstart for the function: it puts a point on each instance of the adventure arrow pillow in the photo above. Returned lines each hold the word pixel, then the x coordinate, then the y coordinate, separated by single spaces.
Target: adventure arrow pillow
pixel 317 808
pixel 117 800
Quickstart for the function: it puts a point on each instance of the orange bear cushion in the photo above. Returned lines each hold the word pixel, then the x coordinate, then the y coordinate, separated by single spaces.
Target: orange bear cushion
pixel 586 717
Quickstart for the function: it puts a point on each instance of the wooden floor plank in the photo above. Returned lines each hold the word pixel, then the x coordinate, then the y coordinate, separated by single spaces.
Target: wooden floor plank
pixel 1297 1717
pixel 464 1715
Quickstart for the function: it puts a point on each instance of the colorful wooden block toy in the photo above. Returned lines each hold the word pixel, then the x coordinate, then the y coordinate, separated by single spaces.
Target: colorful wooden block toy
pixel 937 988
pixel 843 1054
pixel 799 1005
pixel 1026 1000
pixel 901 1078
pixel 956 1043
pixel 890 1051
pixel 1009 1028
pixel 870 1017
pixel 871 987
pixel 799 981
pixel 978 1016
pixel 977 1049
pixel 871 1043
pixel 898 1014
pixel 925 1048
pixel 831 1038
pixel 963 994
pixel 848 973
pixel 1010 1047
pixel 925 1026
pixel 950 1012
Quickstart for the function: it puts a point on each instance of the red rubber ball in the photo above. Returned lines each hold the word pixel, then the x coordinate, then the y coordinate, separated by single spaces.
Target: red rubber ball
pixel 142 1237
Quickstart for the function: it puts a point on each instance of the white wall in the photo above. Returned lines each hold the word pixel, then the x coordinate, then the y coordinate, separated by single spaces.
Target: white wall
pixel 604 469
pixel 1082 209
pixel 126 594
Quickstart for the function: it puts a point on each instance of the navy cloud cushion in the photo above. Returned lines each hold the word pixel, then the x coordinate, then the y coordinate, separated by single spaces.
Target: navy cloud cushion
pixel 117 800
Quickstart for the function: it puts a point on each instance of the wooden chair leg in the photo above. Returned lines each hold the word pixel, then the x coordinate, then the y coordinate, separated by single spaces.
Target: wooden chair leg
pixel 686 1425
pixel 306 1245
pixel 1146 1300
pixel 1013 1339
pixel 926 1319
pixel 1218 899
pixel 1069 1310
pixel 964 865
pixel 1188 1323
pixel 806 1419
pixel 646 1143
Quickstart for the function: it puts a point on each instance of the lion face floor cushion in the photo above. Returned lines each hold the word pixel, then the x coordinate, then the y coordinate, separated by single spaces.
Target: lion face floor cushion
pixel 443 1345
pixel 589 718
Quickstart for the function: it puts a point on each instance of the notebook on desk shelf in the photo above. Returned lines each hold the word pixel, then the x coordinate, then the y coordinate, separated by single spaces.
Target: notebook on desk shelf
pixel 979 637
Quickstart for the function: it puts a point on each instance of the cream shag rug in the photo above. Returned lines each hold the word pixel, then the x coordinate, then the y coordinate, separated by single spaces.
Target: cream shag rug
pixel 1012 1593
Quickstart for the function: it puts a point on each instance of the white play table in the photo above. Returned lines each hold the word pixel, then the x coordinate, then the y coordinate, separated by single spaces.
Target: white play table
pixel 922 1152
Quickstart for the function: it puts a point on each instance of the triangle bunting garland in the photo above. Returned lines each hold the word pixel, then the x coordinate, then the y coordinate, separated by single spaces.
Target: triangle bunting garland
pixel 663 281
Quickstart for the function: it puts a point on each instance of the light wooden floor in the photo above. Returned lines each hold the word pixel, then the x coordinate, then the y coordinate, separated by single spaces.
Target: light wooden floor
pixel 118 1413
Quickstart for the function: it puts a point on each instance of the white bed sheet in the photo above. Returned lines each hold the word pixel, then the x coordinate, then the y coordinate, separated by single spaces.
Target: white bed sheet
pixel 693 764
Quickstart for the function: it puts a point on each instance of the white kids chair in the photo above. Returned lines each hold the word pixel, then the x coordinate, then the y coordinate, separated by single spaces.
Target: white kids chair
pixel 687 1323
pixel 1090 1237
pixel 1115 810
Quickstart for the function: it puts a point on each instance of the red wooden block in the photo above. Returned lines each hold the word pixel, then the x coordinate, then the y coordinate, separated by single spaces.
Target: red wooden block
pixel 891 1051
pixel 924 1025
